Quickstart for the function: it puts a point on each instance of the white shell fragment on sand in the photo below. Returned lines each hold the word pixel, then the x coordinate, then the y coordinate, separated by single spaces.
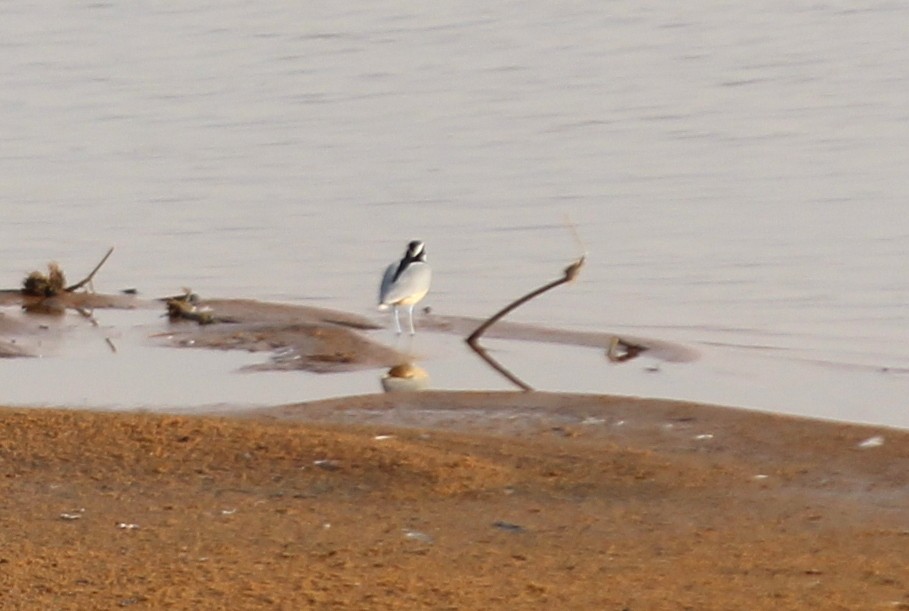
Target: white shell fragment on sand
pixel 327 464
pixel 872 442
pixel 416 535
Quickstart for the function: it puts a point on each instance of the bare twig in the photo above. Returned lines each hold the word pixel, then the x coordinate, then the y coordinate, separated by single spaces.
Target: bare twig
pixel 571 272
pixel 87 279
pixel 88 314
pixel 186 307
pixel 481 352
pixel 576 235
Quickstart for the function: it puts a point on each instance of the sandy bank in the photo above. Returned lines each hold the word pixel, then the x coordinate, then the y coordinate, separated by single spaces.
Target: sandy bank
pixel 578 502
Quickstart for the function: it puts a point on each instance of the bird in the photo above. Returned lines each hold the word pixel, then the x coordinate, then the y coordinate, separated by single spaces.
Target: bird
pixel 406 282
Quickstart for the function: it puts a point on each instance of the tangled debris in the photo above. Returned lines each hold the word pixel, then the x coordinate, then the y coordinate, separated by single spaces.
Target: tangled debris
pixel 186 307
pixel 53 283
pixel 37 284
pixel 621 350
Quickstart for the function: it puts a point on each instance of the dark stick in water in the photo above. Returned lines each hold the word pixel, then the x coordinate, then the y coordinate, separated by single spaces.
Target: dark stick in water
pixel 571 272
pixel 89 277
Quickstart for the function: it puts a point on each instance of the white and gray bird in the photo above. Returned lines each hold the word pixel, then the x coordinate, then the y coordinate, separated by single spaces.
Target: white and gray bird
pixel 406 282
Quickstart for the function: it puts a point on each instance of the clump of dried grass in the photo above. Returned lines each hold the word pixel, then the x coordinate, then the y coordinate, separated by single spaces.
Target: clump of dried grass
pixel 45 285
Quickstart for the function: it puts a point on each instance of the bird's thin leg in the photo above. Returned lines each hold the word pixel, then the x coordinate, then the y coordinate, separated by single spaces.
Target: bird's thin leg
pixel 410 313
pixel 397 322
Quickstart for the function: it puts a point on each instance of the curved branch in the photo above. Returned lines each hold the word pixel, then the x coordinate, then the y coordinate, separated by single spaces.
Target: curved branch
pixel 87 279
pixel 571 272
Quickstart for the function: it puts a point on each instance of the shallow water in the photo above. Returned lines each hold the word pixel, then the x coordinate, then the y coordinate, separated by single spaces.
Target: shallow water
pixel 737 173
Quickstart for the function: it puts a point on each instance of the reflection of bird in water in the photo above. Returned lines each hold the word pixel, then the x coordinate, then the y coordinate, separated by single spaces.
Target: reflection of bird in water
pixel 406 282
pixel 405 377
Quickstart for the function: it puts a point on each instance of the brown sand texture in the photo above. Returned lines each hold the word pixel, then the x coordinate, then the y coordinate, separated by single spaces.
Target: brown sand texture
pixel 443 500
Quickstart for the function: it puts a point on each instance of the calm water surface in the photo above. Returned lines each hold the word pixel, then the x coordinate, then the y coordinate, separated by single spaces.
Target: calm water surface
pixel 738 173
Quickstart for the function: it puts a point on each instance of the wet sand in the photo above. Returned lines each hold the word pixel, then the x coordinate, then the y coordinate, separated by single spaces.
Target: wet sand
pixel 467 501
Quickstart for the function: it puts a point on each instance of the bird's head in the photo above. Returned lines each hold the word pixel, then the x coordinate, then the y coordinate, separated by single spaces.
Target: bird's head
pixel 416 250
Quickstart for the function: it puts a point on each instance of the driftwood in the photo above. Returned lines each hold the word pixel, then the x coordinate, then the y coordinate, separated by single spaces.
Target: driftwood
pixel 88 278
pixel 571 272
pixel 618 351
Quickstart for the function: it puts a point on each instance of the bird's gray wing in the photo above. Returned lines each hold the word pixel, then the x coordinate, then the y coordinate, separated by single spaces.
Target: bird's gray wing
pixel 414 280
pixel 385 287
